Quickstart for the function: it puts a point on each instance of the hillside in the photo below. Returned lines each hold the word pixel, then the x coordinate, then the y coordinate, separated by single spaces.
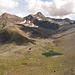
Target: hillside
pixel 36 45
pixel 8 19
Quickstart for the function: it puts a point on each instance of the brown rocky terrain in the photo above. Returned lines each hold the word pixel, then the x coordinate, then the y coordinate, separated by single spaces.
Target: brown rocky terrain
pixel 32 50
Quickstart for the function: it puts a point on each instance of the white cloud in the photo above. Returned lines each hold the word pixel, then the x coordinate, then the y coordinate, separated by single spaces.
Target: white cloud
pixel 7 5
pixel 55 8
pixel 61 7
pixel 34 6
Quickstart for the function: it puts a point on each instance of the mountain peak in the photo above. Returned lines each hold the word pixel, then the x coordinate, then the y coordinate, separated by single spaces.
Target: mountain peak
pixel 40 15
pixel 29 17
pixel 11 18
pixel 5 14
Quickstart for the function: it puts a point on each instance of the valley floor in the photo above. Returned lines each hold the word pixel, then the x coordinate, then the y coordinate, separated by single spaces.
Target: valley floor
pixel 28 59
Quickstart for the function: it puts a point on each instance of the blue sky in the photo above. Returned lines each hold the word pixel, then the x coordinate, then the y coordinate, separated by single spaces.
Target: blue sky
pixel 20 9
pixel 52 8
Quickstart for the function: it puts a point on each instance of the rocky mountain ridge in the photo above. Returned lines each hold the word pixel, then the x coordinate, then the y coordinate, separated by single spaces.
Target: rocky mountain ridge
pixel 31 26
pixel 40 17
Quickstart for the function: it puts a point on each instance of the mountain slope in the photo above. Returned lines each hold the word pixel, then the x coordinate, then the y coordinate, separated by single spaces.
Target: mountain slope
pixel 30 50
pixel 11 18
pixel 8 19
pixel 66 40
pixel 38 20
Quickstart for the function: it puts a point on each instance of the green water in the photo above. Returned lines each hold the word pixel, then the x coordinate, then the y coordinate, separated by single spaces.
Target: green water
pixel 51 54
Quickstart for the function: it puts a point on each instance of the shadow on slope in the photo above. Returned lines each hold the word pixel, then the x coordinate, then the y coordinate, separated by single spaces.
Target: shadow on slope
pixel 64 30
pixel 7 37
pixel 46 24
pixel 36 32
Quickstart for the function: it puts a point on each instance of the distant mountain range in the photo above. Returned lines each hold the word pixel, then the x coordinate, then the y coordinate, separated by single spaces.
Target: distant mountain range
pixel 38 20
pixel 31 26
pixel 40 17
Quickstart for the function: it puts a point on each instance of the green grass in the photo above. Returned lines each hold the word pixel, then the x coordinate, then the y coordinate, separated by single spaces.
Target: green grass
pixel 32 63
pixel 3 69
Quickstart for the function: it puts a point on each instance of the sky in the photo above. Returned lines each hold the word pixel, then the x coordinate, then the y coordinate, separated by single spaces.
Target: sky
pixel 51 8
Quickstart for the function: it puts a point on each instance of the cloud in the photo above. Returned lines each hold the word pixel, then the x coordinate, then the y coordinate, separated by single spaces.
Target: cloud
pixel 60 7
pixel 55 8
pixel 34 6
pixel 6 5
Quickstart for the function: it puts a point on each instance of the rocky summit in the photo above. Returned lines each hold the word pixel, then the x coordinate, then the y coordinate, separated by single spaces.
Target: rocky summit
pixel 36 45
